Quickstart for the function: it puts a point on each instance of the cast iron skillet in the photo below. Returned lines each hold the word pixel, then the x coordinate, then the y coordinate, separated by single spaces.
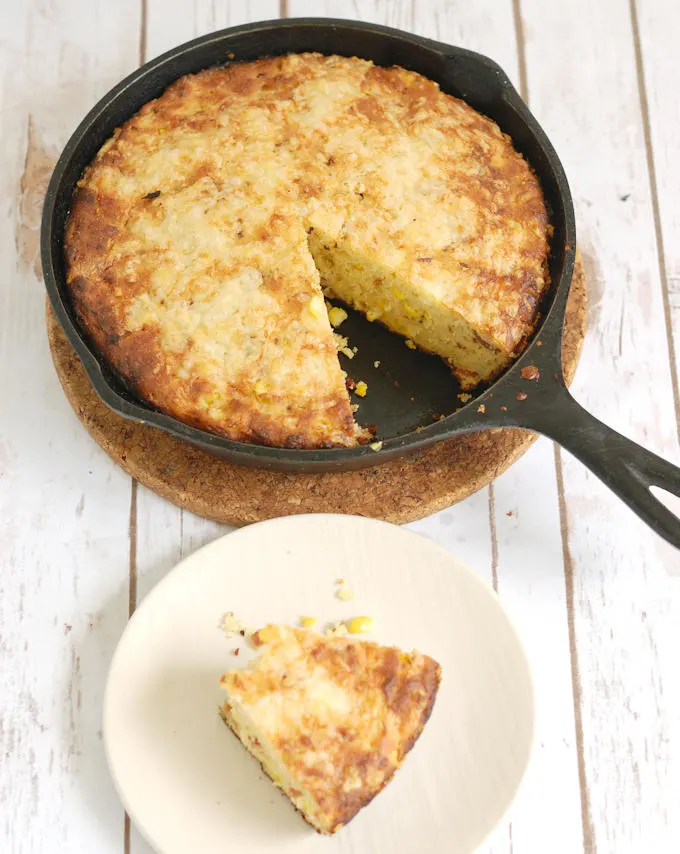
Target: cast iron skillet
pixel 406 412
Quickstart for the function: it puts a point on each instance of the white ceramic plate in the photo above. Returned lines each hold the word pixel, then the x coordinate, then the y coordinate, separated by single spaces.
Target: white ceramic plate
pixel 190 786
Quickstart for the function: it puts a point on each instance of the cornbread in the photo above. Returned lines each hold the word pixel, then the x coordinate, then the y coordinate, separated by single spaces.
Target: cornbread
pixel 206 232
pixel 330 720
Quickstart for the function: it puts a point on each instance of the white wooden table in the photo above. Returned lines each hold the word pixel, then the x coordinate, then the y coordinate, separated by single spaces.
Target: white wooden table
pixel 596 594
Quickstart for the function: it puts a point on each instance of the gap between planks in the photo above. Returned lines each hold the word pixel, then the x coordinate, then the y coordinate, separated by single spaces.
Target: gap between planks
pixel 494 537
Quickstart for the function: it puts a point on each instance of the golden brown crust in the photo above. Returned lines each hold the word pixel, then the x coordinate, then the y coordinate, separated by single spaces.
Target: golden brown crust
pixel 225 173
pixel 376 701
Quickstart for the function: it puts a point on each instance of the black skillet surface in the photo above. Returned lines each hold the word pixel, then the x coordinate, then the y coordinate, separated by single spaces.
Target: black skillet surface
pixel 409 390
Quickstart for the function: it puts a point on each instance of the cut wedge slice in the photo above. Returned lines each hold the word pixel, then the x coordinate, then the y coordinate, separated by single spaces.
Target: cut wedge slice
pixel 329 719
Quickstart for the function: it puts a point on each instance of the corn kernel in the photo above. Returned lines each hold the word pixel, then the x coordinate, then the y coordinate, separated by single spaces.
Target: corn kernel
pixel 337 316
pixel 376 446
pixel 361 388
pixel 307 622
pixel 266 635
pixel 359 625
pixel 410 344
pixel 317 307
pixel 345 594
pixel 260 387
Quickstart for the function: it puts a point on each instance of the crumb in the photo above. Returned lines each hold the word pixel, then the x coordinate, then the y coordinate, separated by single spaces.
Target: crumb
pixel 522 395
pixel 345 594
pixel 464 397
pixel 376 446
pixel 356 350
pixel 350 384
pixel 504 408
pixel 530 372
pixel 361 389
pixel 229 624
pixel 347 352
pixel 539 343
pixel 336 631
pixel 237 650
pixel 307 622
pixel 509 513
pixel 340 581
pixel 354 407
pixel 410 344
pixel 376 364
pixel 481 409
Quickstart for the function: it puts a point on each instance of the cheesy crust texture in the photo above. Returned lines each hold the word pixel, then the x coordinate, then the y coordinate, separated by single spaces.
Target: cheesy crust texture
pixel 329 719
pixel 201 236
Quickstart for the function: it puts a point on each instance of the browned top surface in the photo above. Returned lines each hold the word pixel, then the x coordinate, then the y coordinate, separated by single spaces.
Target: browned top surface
pixel 187 251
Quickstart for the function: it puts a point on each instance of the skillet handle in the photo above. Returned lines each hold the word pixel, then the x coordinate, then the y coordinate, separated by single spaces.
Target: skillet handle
pixel 628 469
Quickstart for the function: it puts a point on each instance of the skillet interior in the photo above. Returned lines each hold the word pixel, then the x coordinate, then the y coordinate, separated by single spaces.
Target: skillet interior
pixel 410 390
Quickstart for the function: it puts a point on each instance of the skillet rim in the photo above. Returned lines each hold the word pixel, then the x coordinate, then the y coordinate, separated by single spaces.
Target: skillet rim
pixel 501 393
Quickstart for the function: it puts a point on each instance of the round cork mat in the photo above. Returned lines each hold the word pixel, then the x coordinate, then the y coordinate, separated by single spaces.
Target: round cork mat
pixel 399 491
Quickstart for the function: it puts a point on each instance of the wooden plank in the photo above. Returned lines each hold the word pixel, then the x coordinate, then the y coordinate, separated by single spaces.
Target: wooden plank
pixel 623 601
pixel 176 21
pixel 64 507
pixel 655 28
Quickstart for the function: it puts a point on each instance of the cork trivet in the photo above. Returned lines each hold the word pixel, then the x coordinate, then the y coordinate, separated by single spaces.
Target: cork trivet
pixel 402 490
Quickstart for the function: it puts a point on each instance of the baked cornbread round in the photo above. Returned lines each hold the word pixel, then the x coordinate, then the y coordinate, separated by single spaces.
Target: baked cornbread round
pixel 203 233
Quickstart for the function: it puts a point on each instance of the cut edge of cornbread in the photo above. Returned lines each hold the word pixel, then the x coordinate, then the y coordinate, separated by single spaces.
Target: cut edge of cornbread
pixel 382 295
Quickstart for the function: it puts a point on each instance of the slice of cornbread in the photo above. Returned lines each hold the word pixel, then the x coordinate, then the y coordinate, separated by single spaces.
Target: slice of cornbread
pixel 329 719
